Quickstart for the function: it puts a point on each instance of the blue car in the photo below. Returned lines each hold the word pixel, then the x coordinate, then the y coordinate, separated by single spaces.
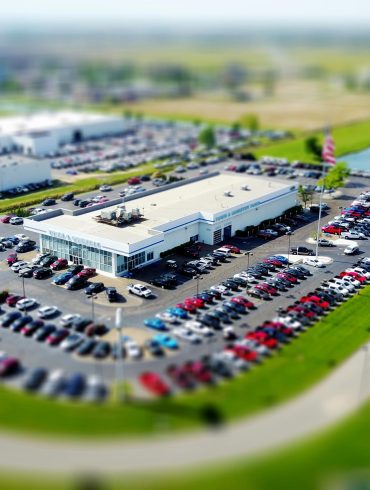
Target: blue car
pixel 165 341
pixel 63 278
pixel 155 323
pixel 75 385
pixel 281 258
pixel 179 312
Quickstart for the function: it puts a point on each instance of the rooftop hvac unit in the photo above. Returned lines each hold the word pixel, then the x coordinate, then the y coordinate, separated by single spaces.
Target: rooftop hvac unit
pixel 135 212
pixel 127 216
pixel 227 194
pixel 107 214
pixel 120 212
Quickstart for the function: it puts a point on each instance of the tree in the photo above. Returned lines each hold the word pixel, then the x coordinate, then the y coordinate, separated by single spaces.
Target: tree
pixel 313 147
pixel 336 176
pixel 207 137
pixel 250 121
pixel 305 195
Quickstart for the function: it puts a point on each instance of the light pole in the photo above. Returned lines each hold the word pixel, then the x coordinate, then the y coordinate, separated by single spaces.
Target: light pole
pixel 248 254
pixel 198 278
pixel 118 326
pixel 289 233
pixel 93 297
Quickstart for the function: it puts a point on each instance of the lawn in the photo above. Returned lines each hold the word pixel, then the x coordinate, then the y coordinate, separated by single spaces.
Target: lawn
pixel 348 138
pixel 313 356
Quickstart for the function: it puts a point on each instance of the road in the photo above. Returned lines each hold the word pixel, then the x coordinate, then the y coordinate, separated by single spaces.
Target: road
pixel 325 404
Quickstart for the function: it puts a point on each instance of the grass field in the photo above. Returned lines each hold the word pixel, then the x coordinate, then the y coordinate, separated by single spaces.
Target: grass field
pixel 313 356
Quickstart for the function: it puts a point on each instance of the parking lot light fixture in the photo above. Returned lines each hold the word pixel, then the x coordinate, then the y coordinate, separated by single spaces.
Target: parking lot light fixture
pixel 289 233
pixel 249 255
pixel 119 361
pixel 198 278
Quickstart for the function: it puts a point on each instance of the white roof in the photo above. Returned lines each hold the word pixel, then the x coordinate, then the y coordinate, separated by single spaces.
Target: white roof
pixel 204 199
pixel 45 121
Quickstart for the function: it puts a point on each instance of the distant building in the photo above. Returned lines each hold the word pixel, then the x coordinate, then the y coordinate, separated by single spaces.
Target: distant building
pixel 42 134
pixel 19 170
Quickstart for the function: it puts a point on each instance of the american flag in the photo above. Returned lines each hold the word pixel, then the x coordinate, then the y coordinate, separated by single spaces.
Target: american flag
pixel 328 150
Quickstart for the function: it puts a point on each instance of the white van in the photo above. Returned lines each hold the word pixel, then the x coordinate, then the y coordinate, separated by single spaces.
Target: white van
pixel 224 251
pixel 352 249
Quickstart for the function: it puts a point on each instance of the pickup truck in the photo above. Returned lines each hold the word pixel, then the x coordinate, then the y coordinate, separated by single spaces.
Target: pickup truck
pixel 139 290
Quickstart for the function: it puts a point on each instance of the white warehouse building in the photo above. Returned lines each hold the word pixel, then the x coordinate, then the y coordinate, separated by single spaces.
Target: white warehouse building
pixel 19 170
pixel 41 134
pixel 209 210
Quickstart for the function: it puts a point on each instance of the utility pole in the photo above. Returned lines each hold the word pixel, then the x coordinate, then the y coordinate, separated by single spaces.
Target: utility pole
pixel 289 233
pixel 119 361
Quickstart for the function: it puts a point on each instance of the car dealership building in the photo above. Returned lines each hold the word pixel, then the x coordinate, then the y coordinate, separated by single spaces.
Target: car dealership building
pixel 209 210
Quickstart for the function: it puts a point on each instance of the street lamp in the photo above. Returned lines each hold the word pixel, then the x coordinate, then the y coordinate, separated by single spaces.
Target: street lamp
pixel 118 326
pixel 248 254
pixel 289 233
pixel 198 278
pixel 93 297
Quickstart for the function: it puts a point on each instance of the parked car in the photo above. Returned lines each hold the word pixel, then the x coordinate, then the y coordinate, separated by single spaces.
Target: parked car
pixel 76 282
pixel 42 273
pixel 93 288
pixel 301 251
pixel 154 383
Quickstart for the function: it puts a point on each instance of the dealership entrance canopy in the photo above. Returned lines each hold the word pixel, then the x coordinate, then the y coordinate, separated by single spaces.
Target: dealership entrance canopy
pixel 123 236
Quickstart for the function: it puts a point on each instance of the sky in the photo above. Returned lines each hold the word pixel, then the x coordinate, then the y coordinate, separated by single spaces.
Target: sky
pixel 99 12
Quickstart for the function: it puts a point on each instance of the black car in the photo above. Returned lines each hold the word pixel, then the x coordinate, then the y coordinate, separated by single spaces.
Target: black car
pixel 44 332
pixel 220 314
pixel 301 251
pixel 237 307
pixel 42 273
pixel 209 321
pixel 277 283
pixel 257 293
pixel 20 322
pixel 93 288
pixel 207 298
pixel 230 312
pixel 76 202
pixel 84 203
pixel 305 271
pixel 154 347
pixel 188 271
pixel 295 273
pixel 48 202
pixel 230 284
pixel 47 261
pixel 214 294
pixel 9 318
pixel 86 347
pixel 76 282
pixel 35 379
pixel 75 268
pixel 23 248
pixel 69 196
pixel 112 294
pixel 240 281
pixel 160 282
pixel 80 324
pixel 101 350
pixel 266 266
pixel 170 278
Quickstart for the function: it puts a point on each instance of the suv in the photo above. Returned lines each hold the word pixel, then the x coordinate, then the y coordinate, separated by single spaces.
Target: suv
pixel 301 251
pixel 112 294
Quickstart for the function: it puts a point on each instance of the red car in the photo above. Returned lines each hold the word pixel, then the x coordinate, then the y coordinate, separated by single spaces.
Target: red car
pixel 154 383
pixel 287 277
pixel 243 301
pixel 189 307
pixel 198 302
pixel 301 309
pixel 87 272
pixel 9 365
pixel 232 248
pixel 273 261
pixel 30 328
pixel 333 230
pixel 134 181
pixel 180 376
pixel 6 219
pixel 13 299
pixel 232 168
pixel 59 264
pixel 315 299
pixel 355 275
pixel 57 336
pixel 11 258
pixel 268 288
pixel 243 352
pixel 198 371
pixel 263 339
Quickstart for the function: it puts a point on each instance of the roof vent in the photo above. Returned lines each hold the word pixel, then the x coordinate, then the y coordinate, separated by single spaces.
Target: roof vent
pixel 228 194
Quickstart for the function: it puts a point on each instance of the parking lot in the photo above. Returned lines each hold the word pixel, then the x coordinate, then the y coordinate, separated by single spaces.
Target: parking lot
pixel 136 310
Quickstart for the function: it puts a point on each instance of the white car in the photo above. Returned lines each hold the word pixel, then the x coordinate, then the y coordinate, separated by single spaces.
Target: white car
pixel 251 344
pixel 343 283
pixel 219 288
pixel 336 288
pixel 352 280
pixel 312 262
pixel 105 188
pixel 69 318
pixel 16 220
pixel 19 265
pixel 22 236
pixel 166 317
pixel 133 350
pixel 47 311
pixel 26 303
pixel 139 290
pixel 233 360
pixel 288 322
pixel 198 328
pixel 185 334
pixel 353 235
pixel 360 271
pixel 206 262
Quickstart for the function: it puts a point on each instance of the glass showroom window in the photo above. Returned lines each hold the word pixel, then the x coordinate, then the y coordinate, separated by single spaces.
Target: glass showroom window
pixel 149 256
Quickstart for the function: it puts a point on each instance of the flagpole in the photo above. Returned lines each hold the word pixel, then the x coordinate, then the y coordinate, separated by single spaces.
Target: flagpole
pixel 320 209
